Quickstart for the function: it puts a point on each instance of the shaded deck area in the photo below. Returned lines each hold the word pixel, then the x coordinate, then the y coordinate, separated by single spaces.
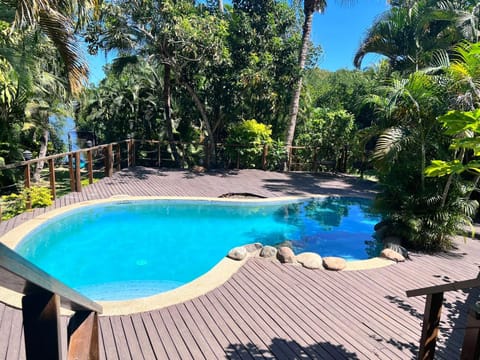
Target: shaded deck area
pixel 268 310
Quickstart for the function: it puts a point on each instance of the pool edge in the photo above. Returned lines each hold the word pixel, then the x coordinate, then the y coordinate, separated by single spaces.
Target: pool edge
pixel 207 282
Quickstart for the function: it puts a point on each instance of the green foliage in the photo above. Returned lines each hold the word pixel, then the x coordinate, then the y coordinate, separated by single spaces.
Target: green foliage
pixel 421 219
pixel 328 131
pixel 246 140
pixel 15 204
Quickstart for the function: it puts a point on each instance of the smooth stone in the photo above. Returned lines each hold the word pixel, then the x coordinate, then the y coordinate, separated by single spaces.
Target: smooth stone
pixel 334 263
pixel 268 251
pixel 238 253
pixel 310 260
pixel 251 248
pixel 197 169
pixel 285 255
pixel 286 243
pixel 392 255
pixel 397 248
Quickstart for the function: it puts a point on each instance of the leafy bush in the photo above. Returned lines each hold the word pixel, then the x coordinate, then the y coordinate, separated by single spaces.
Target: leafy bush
pixel 246 140
pixel 329 132
pixel 15 204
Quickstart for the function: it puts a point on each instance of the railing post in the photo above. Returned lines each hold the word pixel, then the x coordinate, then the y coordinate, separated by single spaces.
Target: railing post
pixel 131 152
pixel 314 162
pixel 118 155
pixel 264 156
pixel 78 177
pixel 41 326
pixel 159 149
pixel 108 160
pixel 90 166
pixel 71 172
pixel 83 336
pixel 238 158
pixel 28 177
pixel 431 320
pixel 471 340
pixel 51 169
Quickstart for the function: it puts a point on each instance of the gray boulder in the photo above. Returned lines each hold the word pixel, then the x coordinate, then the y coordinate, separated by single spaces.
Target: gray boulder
pixel 310 260
pixel 238 253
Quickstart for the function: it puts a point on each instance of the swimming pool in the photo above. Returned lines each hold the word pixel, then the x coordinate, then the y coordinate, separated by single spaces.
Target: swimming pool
pixel 130 249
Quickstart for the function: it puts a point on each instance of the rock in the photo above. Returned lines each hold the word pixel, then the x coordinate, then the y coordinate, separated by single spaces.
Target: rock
pixel 268 251
pixel 285 255
pixel 334 263
pixel 286 243
pixel 238 253
pixel 251 248
pixel 198 169
pixel 309 260
pixel 397 248
pixel 392 255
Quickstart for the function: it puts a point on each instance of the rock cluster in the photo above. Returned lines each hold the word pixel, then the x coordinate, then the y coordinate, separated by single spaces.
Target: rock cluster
pixel 283 252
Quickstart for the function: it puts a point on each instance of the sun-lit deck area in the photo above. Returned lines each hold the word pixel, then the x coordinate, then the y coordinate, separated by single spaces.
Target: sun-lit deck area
pixel 271 310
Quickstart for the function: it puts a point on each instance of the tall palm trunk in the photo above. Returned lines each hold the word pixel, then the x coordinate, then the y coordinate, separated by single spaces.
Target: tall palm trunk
pixel 307 30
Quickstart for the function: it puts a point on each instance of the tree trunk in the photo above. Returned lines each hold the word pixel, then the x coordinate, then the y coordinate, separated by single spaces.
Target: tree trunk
pixel 167 100
pixel 307 29
pixel 203 114
pixel 220 6
pixel 41 154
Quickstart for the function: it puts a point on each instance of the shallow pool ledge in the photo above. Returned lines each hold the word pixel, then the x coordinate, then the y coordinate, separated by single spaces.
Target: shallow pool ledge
pixel 209 281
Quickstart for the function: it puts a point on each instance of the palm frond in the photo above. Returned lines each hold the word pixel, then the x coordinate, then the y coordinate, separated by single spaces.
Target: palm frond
pixel 60 31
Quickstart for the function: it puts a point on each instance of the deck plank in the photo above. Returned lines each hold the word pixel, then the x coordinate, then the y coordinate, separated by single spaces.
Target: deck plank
pixel 268 310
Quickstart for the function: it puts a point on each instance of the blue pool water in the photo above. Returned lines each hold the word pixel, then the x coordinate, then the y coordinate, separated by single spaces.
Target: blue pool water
pixel 125 250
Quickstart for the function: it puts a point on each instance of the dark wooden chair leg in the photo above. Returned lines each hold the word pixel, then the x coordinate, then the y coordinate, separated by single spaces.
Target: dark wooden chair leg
pixel 41 323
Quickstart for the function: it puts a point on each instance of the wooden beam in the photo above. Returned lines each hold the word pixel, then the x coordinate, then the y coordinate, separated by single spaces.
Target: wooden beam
pixel 431 321
pixel 71 172
pixel 78 177
pixel 118 155
pixel 108 160
pixel 51 169
pixel 453 286
pixel 83 341
pixel 41 326
pixel 20 275
pixel 90 166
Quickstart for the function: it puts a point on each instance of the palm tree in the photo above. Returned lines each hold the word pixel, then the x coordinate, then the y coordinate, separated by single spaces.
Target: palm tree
pixel 310 7
pixel 56 20
pixel 408 35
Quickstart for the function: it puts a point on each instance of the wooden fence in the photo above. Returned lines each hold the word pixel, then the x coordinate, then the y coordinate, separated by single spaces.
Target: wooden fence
pixel 68 172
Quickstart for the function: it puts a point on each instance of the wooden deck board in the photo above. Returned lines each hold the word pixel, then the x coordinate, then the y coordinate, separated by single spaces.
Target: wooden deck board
pixel 268 310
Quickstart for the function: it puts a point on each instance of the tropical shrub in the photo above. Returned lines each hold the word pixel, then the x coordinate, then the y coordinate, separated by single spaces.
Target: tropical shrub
pixel 15 204
pixel 330 132
pixel 246 140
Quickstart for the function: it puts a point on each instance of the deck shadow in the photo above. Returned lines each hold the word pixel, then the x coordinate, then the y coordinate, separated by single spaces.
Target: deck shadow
pixel 289 349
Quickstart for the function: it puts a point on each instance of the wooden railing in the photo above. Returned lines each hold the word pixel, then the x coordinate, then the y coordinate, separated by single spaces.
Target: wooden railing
pixel 431 319
pixel 67 171
pixel 43 296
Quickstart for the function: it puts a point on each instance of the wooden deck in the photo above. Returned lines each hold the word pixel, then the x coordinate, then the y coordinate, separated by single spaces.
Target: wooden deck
pixel 268 310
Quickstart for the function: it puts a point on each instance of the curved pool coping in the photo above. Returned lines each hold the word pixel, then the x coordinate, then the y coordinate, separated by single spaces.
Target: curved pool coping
pixel 212 279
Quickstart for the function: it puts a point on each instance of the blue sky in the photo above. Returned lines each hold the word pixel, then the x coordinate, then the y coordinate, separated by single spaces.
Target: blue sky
pixel 338 31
